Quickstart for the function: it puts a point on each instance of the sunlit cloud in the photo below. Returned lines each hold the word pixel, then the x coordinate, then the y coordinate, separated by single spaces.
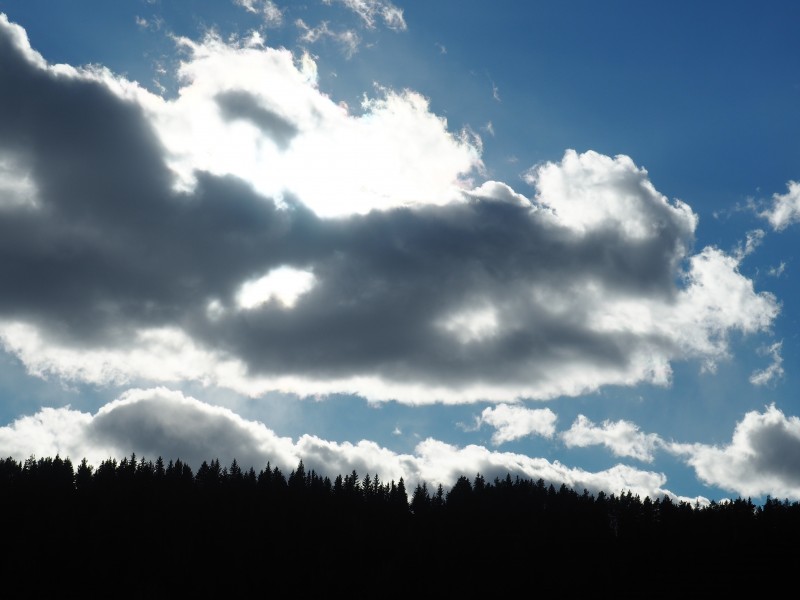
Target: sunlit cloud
pixel 623 438
pixel 515 422
pixel 760 460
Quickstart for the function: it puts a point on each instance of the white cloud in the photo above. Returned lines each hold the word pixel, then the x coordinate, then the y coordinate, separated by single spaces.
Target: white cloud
pixel 160 422
pixel 760 460
pixel 515 422
pixel 591 191
pixel 623 438
pixel 499 192
pixel 785 208
pixel 772 372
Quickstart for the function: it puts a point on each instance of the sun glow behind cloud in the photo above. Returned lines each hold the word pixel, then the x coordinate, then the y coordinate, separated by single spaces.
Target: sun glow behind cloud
pixel 394 153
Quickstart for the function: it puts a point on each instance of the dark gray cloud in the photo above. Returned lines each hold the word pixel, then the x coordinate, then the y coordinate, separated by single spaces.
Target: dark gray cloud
pixel 236 104
pixel 474 296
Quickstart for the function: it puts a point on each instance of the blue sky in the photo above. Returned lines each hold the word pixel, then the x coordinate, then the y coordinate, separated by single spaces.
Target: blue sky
pixel 415 239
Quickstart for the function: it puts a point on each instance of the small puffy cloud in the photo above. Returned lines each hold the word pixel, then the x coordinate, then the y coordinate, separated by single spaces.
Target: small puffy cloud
pixel 515 422
pixel 772 372
pixel 590 192
pixel 785 209
pixel 161 422
pixel 761 459
pixel 371 10
pixel 623 438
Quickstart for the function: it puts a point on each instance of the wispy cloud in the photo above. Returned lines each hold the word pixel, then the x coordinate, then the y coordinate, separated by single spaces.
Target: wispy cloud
pixel 774 371
pixel 347 39
pixel 371 10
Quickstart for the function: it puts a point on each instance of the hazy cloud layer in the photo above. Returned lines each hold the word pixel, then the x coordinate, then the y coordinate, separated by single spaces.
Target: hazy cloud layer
pixel 138 244
pixel 161 422
pixel 762 458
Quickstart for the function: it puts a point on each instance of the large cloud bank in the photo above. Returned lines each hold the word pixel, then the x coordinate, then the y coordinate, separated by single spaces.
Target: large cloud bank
pixel 254 234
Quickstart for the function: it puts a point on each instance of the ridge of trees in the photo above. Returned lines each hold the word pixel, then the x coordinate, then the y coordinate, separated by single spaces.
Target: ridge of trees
pixel 59 475
pixel 253 523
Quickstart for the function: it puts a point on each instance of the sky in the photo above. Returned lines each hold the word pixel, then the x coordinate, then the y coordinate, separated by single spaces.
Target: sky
pixel 555 240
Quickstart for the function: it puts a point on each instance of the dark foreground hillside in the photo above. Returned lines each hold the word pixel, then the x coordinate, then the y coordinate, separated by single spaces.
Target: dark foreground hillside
pixel 146 529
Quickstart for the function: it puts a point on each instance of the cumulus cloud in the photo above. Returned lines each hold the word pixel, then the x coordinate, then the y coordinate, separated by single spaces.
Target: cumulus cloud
pixel 623 438
pixel 515 422
pixel 761 459
pixel 785 209
pixel 144 247
pixel 161 422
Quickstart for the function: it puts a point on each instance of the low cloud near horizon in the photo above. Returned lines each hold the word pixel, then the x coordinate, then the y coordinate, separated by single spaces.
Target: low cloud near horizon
pixel 162 422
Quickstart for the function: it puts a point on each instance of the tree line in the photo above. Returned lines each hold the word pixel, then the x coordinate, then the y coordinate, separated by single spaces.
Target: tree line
pixel 161 520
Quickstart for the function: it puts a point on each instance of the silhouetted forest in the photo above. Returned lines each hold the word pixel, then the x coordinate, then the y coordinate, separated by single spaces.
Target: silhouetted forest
pixel 150 529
